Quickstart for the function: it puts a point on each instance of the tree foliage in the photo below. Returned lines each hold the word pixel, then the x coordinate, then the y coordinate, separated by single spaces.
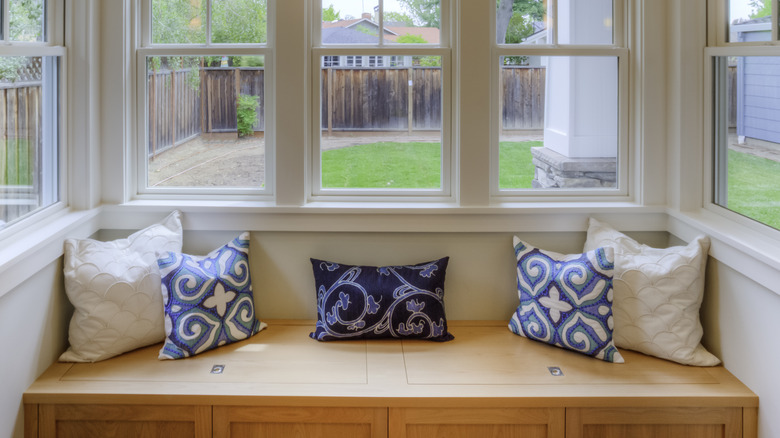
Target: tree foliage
pixel 761 8
pixel 515 18
pixel 398 17
pixel 425 13
pixel 25 20
pixel 330 14
pixel 232 21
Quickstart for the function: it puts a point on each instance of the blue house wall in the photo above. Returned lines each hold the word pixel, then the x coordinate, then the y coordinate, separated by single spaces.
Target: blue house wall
pixel 758 95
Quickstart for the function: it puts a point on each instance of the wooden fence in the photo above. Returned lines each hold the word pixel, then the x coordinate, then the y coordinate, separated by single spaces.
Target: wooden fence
pixel 20 143
pixel 182 107
pixel 522 97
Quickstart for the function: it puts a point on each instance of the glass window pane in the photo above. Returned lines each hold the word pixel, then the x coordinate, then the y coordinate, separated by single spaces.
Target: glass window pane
pixel 350 22
pixel 382 125
pixel 412 22
pixel 238 21
pixel 179 21
pixel 26 20
pixel 28 149
pixel 750 20
pixel 748 137
pixel 585 22
pixel 522 22
pixel 559 122
pixel 206 121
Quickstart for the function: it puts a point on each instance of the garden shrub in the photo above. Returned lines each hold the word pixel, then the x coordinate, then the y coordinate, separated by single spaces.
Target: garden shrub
pixel 246 114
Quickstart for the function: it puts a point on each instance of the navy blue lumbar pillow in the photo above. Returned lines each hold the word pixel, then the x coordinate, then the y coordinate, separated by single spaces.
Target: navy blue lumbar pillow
pixel 373 302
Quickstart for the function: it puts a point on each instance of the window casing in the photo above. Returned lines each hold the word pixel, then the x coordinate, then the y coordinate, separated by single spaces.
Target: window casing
pixel 561 93
pixel 202 125
pixel 398 90
pixel 31 59
pixel 743 73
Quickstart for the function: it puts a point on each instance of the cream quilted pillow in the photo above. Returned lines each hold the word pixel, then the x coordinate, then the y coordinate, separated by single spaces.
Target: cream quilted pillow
pixel 116 291
pixel 658 293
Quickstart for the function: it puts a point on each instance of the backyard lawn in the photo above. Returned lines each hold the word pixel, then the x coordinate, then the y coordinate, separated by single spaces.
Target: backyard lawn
pixel 754 187
pixel 414 165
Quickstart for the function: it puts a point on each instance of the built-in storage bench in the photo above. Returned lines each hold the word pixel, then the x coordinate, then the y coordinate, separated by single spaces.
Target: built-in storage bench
pixel 488 382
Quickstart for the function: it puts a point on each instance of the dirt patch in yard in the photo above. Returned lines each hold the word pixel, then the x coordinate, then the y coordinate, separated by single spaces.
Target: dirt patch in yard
pixel 211 161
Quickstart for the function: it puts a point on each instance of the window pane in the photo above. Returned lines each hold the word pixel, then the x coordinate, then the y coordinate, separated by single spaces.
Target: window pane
pixel 28 150
pixel 750 20
pixel 26 20
pixel 748 137
pixel 206 121
pixel 412 22
pixel 522 22
pixel 350 22
pixel 179 21
pixel 559 125
pixel 382 125
pixel 238 21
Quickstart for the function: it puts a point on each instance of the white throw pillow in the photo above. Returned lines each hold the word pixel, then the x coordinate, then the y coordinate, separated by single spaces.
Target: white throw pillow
pixel 658 294
pixel 116 291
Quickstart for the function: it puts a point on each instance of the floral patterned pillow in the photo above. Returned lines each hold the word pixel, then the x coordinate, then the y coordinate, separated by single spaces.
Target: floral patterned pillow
pixel 208 300
pixel 566 300
pixel 369 302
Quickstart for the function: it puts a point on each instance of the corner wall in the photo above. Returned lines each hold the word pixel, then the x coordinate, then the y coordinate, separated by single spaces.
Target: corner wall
pixel 33 319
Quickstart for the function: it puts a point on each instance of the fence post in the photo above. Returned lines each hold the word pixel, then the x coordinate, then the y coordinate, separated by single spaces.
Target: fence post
pixel 237 86
pixel 202 92
pixel 330 101
pixel 173 107
pixel 153 111
pixel 410 98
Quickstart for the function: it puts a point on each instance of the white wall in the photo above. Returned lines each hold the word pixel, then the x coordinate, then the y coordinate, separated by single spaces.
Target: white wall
pixel 742 327
pixel 33 321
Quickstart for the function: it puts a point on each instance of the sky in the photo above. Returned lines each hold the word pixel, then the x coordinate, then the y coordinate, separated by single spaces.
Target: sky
pixel 739 9
pixel 356 7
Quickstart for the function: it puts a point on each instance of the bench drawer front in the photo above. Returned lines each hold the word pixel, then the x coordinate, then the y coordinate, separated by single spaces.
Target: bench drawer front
pixel 299 422
pixel 654 422
pixel 124 421
pixel 477 423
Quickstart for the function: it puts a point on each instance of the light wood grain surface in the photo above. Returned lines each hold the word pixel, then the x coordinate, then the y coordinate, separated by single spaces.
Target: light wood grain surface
pixel 485 365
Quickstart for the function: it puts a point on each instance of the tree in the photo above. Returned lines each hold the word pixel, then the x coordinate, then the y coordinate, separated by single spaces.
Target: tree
pixel 761 8
pixel 398 17
pixel 425 13
pixel 330 14
pixel 514 19
pixel 183 21
pixel 26 20
pixel 410 39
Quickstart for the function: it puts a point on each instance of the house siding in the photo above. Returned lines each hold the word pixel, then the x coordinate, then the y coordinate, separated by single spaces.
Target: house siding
pixel 758 98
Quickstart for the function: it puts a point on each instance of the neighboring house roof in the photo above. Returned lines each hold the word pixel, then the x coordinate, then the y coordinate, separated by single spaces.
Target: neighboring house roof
pixel 339 35
pixel 539 33
pixel 429 34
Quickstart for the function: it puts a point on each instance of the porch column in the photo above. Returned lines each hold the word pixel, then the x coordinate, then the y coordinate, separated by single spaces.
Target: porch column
pixel 581 120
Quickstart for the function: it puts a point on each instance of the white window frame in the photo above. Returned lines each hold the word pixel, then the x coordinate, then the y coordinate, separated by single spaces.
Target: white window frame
pixel 443 50
pixel 53 174
pixel 618 49
pixel 144 49
pixel 714 159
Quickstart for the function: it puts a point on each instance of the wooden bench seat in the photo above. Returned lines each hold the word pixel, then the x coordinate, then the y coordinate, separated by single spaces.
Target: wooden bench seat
pixel 488 382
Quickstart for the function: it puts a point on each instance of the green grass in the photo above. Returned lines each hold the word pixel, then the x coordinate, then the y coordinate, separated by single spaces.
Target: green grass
pixel 16 164
pixel 515 164
pixel 414 166
pixel 754 187
pixel 387 165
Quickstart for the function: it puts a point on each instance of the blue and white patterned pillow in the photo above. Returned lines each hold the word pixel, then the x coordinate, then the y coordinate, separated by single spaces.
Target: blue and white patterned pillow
pixel 208 300
pixel 566 300
pixel 370 302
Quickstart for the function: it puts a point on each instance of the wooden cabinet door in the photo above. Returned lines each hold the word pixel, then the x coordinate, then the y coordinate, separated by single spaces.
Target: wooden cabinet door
pixel 654 423
pixel 299 422
pixel 124 421
pixel 477 423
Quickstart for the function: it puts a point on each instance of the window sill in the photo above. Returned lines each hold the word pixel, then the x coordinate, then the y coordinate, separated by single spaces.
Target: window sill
pixel 387 216
pixel 753 253
pixel 27 251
